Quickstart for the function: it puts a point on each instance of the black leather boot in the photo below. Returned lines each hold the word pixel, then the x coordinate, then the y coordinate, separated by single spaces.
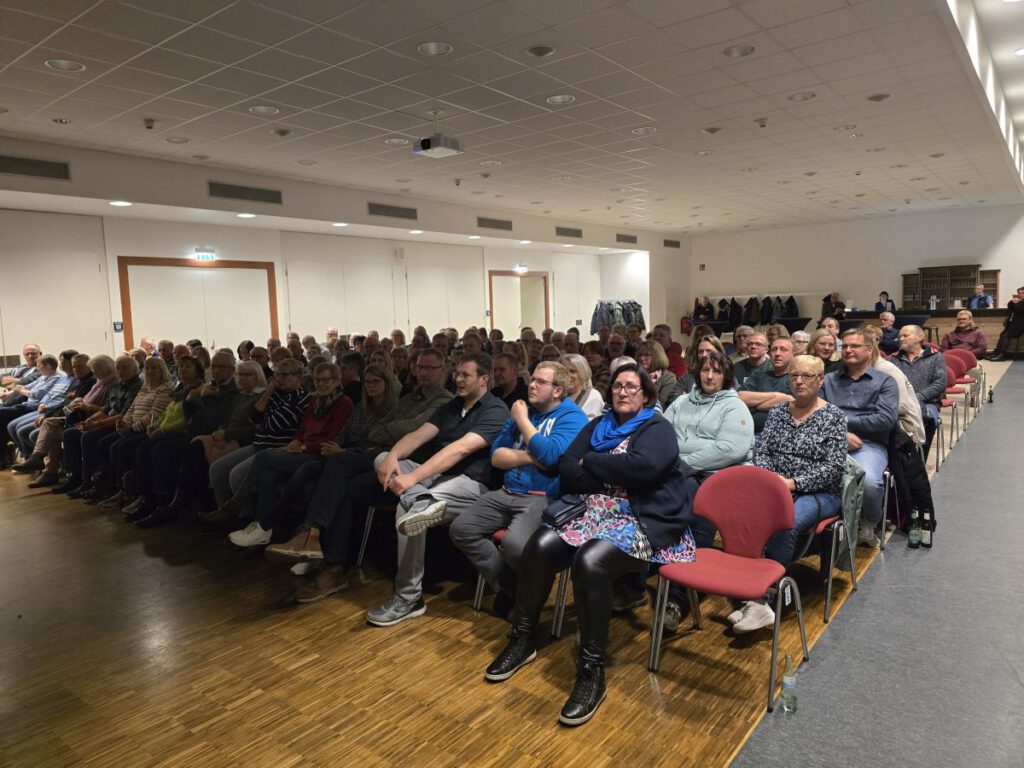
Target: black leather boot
pixel 520 651
pixel 589 690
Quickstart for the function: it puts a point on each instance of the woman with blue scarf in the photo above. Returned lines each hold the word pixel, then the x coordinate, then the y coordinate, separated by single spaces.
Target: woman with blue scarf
pixel 638 494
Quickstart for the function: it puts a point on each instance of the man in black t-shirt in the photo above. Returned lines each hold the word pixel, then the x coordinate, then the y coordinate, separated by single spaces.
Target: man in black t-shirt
pixel 763 389
pixel 508 387
pixel 458 472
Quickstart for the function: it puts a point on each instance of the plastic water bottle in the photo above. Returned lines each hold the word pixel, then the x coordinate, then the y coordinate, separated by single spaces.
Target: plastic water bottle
pixel 914 532
pixel 789 686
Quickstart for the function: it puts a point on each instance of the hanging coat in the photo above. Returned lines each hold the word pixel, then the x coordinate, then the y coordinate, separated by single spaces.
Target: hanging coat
pixel 790 309
pixel 765 314
pixel 751 311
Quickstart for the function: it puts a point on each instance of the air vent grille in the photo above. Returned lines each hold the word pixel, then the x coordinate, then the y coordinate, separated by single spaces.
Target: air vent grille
pixel 392 211
pixel 28 166
pixel 252 194
pixel 568 232
pixel 493 223
pixel 672 244
pixel 620 238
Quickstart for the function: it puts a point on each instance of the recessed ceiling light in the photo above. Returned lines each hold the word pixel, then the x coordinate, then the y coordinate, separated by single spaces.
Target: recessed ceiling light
pixel 339 224
pixel 306 161
pixel 434 49
pixel 177 140
pixel 878 96
pixel 602 249
pixel 561 98
pixel 963 183
pixel 1019 52
pixel 810 173
pixel 490 163
pixel 415 231
pixel 936 154
pixel 738 51
pixel 845 127
pixel 711 130
pixel 396 141
pixel 704 152
pixel 802 96
pixel 200 157
pixel 645 130
pixel 61 121
pixel 474 237
pixel 264 110
pixel 540 51
pixel 120 204
pixel 525 242
pixel 65 65
pixel 568 245
pixel 499 195
pixel 860 194
pixel 898 165
pixel 280 132
pixel 246 215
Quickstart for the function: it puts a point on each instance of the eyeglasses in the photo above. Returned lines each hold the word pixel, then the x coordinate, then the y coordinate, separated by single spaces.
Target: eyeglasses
pixel 538 382
pixel 803 376
pixel 855 346
pixel 629 389
pixel 756 344
pixel 461 376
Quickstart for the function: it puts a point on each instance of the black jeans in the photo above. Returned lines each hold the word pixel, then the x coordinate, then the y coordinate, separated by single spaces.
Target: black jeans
pixel 333 514
pixel 595 566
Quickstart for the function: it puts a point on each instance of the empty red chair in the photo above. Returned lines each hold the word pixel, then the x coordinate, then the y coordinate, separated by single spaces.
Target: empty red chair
pixel 748 505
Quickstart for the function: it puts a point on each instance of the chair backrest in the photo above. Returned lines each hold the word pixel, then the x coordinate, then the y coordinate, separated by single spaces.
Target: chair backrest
pixel 950 378
pixel 958 366
pixel 747 505
pixel 968 358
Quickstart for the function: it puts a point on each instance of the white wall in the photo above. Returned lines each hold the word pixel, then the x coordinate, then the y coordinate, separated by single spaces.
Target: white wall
pixel 857 258
pixel 627 276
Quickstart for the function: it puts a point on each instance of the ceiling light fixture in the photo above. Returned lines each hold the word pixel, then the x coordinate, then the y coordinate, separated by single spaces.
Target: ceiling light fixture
pixel 568 245
pixel 704 152
pixel 65 65
pixel 280 132
pixel 645 130
pixel 711 130
pixel 845 127
pixel 490 163
pixel 339 224
pixel 246 215
pixel 434 49
pixel 264 110
pixel 936 155
pixel 120 204
pixel 602 249
pixel 802 96
pixel 415 231
pixel 738 51
pixel 525 242
pixel 520 268
pixel 876 97
pixel 474 237
pixel 561 98
pixel 61 121
pixel 855 135
pixel 1019 52
pixel 396 141
pixel 177 140
pixel 540 51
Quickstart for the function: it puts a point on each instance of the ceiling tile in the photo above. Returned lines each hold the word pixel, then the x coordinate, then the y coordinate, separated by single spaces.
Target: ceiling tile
pixel 603 27
pixel 477 98
pixel 525 84
pixel 384 65
pixel 389 97
pixel 249 20
pixel 212 45
pixel 493 24
pixel 700 82
pixel 162 60
pixel 316 11
pixel 96 45
pixel 25 27
pixel 326 46
pixel 132 23
pixel 280 64
pixel 483 67
pixel 824 26
pixel 713 28
pixel 241 81
pixel 339 81
pixel 300 96
pixel 643 49
pixel 663 14
pixel 511 111
pixel 348 109
pixel 378 23
pixel 114 97
pixel 552 14
pixel 207 96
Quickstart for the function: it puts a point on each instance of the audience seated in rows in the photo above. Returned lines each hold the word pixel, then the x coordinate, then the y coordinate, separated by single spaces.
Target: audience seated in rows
pixel 756 359
pixel 763 389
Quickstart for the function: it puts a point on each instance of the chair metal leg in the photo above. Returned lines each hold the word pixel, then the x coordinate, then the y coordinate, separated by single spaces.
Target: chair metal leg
pixel 561 598
pixel 658 628
pixel 698 623
pixel 837 526
pixel 775 645
pixel 366 535
pixel 478 598
pixel 954 428
pixel 940 434
pixel 887 483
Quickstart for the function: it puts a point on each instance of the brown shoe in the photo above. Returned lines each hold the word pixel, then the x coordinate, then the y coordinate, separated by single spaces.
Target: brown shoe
pixel 304 545
pixel 224 515
pixel 328 580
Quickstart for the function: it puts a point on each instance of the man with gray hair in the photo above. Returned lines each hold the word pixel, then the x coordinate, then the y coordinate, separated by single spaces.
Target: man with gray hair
pixel 800 341
pixel 740 336
pixel 925 368
pixel 890 343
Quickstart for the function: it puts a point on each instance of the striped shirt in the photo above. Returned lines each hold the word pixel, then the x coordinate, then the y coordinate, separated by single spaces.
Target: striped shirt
pixel 277 425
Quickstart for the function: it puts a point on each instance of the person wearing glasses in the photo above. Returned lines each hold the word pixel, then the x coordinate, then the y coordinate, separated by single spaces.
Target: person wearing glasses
pixel 871 400
pixel 457 473
pixel 527 451
pixel 638 505
pixel 756 359
pixel 326 414
pixel 804 442
pixel 763 390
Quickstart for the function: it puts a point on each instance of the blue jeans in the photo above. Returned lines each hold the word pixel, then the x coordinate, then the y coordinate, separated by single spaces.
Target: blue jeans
pixel 930 414
pixel 808 509
pixel 873 459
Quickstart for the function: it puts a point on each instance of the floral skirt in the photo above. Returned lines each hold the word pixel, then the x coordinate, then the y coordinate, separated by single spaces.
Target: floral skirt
pixel 610 518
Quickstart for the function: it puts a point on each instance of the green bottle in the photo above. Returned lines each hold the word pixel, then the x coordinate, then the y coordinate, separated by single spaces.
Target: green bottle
pixel 914 534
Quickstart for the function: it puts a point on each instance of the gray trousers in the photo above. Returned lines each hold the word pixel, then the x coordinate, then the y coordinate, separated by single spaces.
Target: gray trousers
pixel 229 472
pixel 459 491
pixel 472 530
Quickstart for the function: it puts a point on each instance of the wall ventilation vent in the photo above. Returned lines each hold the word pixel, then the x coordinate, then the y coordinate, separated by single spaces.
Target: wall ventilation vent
pixel 392 211
pixel 41 169
pixel 485 223
pixel 568 232
pixel 620 238
pixel 672 244
pixel 252 194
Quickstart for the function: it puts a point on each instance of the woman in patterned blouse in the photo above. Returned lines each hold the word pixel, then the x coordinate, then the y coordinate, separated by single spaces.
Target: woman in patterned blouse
pixel 804 442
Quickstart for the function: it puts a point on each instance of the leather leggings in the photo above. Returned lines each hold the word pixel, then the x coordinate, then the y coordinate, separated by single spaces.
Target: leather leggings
pixel 595 566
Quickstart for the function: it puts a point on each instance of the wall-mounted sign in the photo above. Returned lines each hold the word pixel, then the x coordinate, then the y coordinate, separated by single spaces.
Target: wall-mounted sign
pixel 118 326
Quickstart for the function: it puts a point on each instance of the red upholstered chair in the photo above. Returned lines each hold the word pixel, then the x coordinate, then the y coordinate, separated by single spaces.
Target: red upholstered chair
pixel 561 594
pixel 960 369
pixel 970 363
pixel 835 527
pixel 747 505
pixel 951 389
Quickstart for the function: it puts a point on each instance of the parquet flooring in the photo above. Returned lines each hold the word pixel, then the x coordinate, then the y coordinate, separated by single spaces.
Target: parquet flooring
pixel 173 648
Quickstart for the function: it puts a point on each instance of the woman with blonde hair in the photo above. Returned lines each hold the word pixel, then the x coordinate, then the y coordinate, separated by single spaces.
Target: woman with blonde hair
pixel 823 346
pixel 651 355
pixel 581 391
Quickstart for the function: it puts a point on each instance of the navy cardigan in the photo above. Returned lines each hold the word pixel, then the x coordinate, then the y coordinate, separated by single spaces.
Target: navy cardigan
pixel 659 485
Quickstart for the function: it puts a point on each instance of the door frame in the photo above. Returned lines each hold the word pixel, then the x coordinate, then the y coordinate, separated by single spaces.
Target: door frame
pixel 123 262
pixel 492 273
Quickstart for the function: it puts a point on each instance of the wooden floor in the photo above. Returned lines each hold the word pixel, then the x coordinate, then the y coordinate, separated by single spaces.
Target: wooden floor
pixel 170 647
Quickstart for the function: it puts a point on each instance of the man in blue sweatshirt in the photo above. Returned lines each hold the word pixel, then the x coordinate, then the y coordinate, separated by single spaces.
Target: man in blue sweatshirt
pixel 528 450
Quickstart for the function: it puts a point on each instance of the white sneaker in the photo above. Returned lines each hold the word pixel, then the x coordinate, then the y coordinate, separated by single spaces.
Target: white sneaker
pixel 736 615
pixel 252 535
pixel 755 616
pixel 867 535
pixel 417 522
pixel 301 569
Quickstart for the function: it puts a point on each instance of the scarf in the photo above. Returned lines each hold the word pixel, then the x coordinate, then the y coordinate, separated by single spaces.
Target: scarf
pixel 608 433
pixel 322 405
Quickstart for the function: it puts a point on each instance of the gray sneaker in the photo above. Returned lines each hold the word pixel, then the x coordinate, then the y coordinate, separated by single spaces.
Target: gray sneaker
pixel 417 522
pixel 394 611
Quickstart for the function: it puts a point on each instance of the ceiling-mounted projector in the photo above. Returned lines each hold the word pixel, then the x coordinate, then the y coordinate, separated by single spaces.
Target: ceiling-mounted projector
pixel 437 145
